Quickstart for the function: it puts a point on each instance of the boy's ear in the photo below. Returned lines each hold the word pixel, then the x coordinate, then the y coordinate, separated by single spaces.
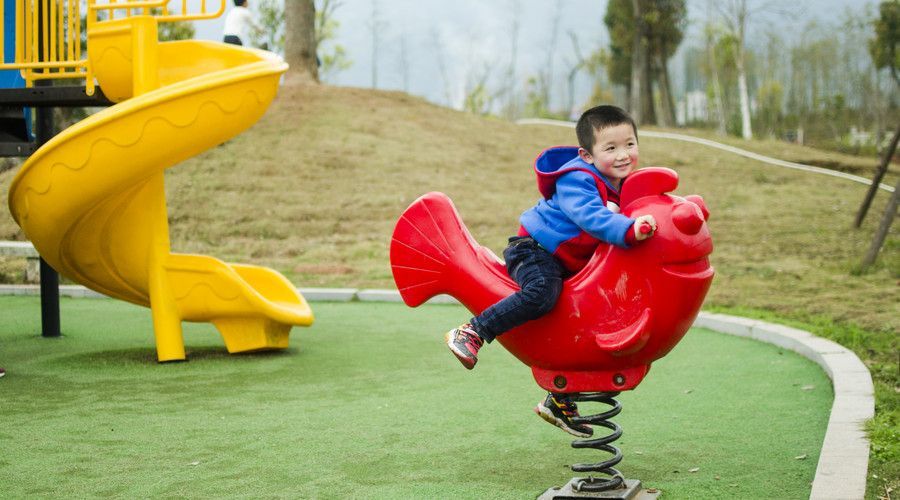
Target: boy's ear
pixel 585 155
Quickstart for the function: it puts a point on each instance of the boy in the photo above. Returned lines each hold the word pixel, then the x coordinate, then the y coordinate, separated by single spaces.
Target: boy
pixel 558 236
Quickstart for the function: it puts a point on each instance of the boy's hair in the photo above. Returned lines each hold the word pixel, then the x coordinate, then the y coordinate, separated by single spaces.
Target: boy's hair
pixel 238 3
pixel 598 118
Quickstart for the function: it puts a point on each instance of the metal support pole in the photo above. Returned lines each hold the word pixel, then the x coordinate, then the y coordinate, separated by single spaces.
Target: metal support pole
pixel 49 276
pixel 49 301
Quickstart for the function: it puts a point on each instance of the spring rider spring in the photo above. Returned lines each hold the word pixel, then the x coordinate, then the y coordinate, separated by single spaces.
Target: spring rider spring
pixel 622 311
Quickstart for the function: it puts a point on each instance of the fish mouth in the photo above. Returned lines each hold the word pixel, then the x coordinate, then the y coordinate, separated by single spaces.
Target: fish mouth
pixel 696 269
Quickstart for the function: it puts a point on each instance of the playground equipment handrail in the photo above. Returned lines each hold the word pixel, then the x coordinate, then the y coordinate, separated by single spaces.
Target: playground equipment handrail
pixel 57 54
pixel 147 6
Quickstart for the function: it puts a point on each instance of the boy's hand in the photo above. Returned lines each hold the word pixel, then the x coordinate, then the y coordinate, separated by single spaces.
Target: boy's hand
pixel 644 227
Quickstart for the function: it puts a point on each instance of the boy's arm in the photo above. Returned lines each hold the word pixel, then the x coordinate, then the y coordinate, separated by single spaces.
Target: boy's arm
pixel 581 202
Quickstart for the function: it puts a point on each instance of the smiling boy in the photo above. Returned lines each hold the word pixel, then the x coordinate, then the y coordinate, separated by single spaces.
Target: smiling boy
pixel 558 236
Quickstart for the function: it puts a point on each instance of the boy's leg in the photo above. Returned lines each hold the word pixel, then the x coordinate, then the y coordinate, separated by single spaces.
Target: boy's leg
pixel 559 410
pixel 540 277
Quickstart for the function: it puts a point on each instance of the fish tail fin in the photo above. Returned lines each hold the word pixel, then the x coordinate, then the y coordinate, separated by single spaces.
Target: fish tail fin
pixel 432 252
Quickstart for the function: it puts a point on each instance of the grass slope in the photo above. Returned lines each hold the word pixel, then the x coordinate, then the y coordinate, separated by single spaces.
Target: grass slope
pixel 367 403
pixel 315 187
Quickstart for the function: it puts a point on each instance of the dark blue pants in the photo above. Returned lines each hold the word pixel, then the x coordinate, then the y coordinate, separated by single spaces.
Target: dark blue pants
pixel 540 277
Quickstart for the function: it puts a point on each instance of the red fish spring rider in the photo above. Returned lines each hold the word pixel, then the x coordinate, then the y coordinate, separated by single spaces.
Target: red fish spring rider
pixel 625 309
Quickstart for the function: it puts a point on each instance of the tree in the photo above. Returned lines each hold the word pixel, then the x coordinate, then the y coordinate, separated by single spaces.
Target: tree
pixel 595 66
pixel 883 47
pixel 768 98
pixel 440 59
pixel 644 35
pixel 535 104
pixel 300 42
pixel 478 99
pixel 510 106
pixel 271 19
pixel 666 20
pixel 543 82
pixel 876 181
pixel 639 74
pixel 714 87
pixel 332 57
pixel 547 75
pixel 620 23
pixel 736 14
pixel 579 64
pixel 375 25
pixel 890 213
pixel 628 65
pixel 770 91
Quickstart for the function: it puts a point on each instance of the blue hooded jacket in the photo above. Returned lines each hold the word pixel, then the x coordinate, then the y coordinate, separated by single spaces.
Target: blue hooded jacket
pixel 575 214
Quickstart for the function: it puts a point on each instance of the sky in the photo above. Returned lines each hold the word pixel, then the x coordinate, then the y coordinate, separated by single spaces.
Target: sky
pixel 448 46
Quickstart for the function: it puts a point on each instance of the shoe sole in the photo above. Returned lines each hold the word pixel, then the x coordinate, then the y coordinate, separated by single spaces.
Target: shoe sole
pixel 545 414
pixel 468 362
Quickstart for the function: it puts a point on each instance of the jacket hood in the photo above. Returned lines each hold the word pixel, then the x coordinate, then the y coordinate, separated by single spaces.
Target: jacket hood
pixel 556 161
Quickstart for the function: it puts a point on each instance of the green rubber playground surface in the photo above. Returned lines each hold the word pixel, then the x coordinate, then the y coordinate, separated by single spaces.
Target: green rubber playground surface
pixel 368 403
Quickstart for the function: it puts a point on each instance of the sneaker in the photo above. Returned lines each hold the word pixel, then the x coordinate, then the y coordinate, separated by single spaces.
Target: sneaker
pixel 2 372
pixel 559 412
pixel 464 343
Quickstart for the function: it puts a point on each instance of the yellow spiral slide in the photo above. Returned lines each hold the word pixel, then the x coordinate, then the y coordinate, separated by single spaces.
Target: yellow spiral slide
pixel 92 199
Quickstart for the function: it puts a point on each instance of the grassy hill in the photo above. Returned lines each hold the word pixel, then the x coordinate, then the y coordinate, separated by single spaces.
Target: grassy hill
pixel 313 190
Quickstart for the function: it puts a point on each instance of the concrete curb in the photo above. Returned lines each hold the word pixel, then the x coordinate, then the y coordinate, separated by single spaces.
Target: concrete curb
pixel 844 460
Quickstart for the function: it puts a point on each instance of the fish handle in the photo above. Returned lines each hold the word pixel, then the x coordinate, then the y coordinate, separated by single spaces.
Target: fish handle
pixel 645 228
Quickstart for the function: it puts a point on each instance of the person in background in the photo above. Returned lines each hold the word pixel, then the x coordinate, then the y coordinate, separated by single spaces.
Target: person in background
pixel 240 25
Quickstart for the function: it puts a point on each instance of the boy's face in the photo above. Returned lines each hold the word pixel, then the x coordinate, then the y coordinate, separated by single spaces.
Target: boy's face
pixel 615 152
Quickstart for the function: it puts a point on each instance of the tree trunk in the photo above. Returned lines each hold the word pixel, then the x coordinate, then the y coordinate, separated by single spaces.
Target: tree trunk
pixel 570 90
pixel 743 91
pixel 740 62
pixel 637 65
pixel 511 106
pixel 718 100
pixel 665 93
pixel 890 214
pixel 300 42
pixel 886 156
pixel 648 107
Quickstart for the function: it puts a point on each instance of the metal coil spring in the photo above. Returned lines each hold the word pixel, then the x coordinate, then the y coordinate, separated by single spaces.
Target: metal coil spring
pixel 615 479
